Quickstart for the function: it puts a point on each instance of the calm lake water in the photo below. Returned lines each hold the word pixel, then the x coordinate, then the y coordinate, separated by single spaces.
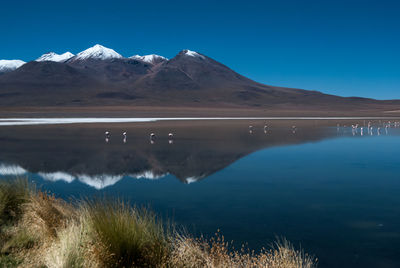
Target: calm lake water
pixel 332 190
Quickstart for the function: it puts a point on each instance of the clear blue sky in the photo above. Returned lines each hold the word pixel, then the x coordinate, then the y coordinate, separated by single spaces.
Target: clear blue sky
pixel 349 48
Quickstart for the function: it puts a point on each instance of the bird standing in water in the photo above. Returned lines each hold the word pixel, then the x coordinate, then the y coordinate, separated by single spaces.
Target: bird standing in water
pixel 124 135
pixel 108 135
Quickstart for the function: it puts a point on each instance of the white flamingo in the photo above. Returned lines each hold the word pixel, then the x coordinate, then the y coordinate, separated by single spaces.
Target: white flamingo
pixel 152 138
pixel 124 134
pixel 108 135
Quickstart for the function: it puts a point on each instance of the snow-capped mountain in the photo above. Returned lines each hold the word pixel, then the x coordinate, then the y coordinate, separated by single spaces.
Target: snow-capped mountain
pixel 101 76
pixel 51 56
pixel 10 65
pixel 97 52
pixel 191 53
pixel 152 58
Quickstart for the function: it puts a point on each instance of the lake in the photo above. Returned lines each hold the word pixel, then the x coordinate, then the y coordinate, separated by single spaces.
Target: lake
pixel 322 184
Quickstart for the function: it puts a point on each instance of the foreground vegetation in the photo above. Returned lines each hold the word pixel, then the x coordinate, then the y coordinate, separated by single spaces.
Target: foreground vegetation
pixel 38 230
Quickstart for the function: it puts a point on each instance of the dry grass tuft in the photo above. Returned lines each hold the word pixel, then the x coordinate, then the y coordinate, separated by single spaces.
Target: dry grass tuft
pixel 133 237
pixel 66 250
pixel 12 195
pixel 46 214
pixel 217 253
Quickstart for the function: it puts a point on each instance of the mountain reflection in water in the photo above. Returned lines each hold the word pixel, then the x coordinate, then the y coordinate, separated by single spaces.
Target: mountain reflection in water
pixel 69 153
pixel 196 151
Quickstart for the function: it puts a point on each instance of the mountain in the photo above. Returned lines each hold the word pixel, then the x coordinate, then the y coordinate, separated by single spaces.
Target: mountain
pixel 99 76
pixel 51 56
pixel 97 52
pixel 152 58
pixel 10 65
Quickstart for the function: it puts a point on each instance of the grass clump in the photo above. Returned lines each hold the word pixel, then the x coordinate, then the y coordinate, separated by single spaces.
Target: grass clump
pixel 21 239
pixel 217 253
pixel 68 250
pixel 39 230
pixel 134 237
pixel 12 195
pixel 9 261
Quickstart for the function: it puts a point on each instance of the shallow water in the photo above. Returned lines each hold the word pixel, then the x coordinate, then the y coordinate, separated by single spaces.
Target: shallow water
pixel 330 189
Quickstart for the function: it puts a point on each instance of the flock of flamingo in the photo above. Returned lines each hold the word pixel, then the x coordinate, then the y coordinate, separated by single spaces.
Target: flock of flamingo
pixel 251 129
pixel 370 129
pixel 354 129
pixel 152 137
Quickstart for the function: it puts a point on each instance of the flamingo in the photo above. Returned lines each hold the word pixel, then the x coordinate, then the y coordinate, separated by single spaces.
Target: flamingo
pixel 152 138
pixel 108 135
pixel 124 134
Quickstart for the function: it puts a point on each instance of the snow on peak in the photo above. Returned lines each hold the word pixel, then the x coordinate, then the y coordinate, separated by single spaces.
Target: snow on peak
pixel 10 65
pixel 51 56
pixel 152 58
pixel 98 52
pixel 191 53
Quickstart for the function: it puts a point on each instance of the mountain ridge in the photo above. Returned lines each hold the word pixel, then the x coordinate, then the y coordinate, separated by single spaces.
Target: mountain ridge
pixel 100 76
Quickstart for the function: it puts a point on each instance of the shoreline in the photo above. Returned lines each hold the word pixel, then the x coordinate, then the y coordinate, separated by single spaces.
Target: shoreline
pixel 91 120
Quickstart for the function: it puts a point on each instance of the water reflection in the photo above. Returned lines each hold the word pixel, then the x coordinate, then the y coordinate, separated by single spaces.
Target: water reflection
pixel 334 193
pixel 76 153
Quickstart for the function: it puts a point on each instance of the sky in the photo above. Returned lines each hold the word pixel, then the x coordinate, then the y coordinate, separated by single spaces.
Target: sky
pixel 346 48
